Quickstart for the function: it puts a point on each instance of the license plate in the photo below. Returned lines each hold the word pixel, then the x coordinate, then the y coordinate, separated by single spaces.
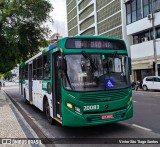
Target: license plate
pixel 107 116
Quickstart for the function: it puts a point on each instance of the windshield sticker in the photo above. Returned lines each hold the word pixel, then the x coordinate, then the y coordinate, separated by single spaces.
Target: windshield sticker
pixel 109 83
pixel 83 84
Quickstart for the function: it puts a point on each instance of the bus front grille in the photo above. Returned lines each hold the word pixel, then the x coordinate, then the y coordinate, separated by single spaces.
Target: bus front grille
pixel 103 97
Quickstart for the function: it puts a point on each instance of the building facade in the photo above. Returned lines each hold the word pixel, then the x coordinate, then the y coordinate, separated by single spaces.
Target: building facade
pixel 124 19
pixel 97 17
pixel 140 29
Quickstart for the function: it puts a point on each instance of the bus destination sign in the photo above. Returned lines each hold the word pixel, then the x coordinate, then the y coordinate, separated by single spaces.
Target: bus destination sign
pixel 75 43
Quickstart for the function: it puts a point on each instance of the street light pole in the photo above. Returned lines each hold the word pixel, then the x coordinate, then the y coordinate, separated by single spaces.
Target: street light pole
pixel 154 39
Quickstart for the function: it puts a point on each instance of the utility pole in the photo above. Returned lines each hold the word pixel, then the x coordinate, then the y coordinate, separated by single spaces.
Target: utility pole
pixel 154 38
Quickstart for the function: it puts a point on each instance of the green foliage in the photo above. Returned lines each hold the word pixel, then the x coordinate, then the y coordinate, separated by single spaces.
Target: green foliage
pixel 8 75
pixel 1 75
pixel 22 30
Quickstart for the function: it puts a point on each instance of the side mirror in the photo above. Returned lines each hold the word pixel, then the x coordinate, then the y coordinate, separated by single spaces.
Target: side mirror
pixel 59 62
pixel 130 65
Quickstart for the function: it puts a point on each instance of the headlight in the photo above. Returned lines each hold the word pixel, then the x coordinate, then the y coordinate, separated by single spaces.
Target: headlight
pixel 69 105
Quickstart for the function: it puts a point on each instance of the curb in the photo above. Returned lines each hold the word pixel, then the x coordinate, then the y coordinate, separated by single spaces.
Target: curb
pixel 31 123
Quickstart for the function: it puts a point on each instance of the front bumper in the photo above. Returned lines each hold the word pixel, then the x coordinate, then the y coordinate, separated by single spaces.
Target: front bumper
pixel 72 119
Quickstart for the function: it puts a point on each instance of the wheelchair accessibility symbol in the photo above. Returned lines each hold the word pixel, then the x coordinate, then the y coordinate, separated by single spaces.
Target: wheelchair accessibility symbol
pixel 109 83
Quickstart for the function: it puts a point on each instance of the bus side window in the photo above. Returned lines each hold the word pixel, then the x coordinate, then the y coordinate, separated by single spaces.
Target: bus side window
pixel 26 72
pixel 39 68
pixel 23 73
pixel 34 69
pixel 46 66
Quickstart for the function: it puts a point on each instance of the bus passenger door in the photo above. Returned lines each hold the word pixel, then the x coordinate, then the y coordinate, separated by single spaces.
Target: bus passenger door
pixel 30 83
pixel 57 100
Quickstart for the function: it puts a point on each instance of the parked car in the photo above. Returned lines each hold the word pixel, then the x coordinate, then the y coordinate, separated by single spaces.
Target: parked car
pixel 151 82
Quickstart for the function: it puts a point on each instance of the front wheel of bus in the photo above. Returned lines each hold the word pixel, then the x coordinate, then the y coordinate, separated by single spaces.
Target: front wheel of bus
pixel 47 112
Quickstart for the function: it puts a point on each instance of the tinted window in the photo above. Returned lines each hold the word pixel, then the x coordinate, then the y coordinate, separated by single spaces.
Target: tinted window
pixel 149 79
pixel 145 7
pixel 39 68
pixel 139 14
pixel 46 65
pixel 35 69
pixel 156 79
pixel 128 11
pixel 26 71
pixel 133 3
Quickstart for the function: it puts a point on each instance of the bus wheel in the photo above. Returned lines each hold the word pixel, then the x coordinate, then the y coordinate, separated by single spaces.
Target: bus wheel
pixel 47 112
pixel 25 100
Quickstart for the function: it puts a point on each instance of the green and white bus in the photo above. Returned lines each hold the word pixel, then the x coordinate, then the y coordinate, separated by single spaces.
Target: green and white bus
pixel 80 81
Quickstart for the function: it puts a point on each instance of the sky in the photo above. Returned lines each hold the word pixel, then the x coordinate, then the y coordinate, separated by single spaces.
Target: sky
pixel 59 17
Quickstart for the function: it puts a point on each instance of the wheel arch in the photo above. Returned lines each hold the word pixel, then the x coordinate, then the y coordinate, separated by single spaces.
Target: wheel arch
pixel 144 85
pixel 45 99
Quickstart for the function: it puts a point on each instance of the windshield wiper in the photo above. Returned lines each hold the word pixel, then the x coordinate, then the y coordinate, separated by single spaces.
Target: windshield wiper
pixel 85 55
pixel 65 72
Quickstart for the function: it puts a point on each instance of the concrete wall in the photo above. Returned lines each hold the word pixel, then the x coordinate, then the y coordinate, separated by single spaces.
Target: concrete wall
pixel 144 49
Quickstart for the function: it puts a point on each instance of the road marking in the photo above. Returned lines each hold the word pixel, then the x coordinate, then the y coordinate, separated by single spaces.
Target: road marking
pixel 137 126
pixel 134 101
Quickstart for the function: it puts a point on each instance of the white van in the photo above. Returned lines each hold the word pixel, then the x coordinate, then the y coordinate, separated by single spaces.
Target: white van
pixel 151 82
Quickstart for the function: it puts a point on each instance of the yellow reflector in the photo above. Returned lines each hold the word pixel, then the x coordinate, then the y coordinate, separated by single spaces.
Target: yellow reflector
pixel 69 105
pixel 61 50
pixel 129 100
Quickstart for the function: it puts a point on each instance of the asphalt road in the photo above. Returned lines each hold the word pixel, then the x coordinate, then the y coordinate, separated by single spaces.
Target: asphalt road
pixel 146 110
pixel 144 124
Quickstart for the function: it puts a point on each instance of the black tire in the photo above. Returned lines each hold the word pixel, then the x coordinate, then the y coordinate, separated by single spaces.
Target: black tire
pixel 133 87
pixel 47 113
pixel 25 100
pixel 145 88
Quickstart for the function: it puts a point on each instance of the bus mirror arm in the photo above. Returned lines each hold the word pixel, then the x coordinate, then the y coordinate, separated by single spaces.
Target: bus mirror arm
pixel 130 65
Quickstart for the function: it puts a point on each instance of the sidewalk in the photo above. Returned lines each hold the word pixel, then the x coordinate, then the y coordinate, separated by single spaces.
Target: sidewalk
pixel 12 124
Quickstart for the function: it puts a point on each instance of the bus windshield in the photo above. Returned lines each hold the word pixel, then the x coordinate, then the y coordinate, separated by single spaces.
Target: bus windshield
pixel 93 72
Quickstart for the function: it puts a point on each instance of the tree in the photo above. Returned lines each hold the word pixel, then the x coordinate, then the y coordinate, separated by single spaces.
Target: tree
pixel 8 75
pixel 22 30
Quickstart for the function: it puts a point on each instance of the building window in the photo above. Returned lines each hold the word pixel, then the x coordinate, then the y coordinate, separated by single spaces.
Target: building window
pixel 145 7
pixel 145 36
pixel 139 12
pixel 141 37
pixel 151 34
pixel 157 5
pixel 158 33
pixel 137 9
pixel 135 39
pixel 134 15
pixel 128 11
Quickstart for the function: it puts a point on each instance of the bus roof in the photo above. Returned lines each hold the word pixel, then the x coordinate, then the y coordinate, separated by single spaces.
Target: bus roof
pixel 62 40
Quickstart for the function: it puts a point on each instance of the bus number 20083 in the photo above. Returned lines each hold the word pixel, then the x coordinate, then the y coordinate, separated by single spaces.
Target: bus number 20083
pixel 91 107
